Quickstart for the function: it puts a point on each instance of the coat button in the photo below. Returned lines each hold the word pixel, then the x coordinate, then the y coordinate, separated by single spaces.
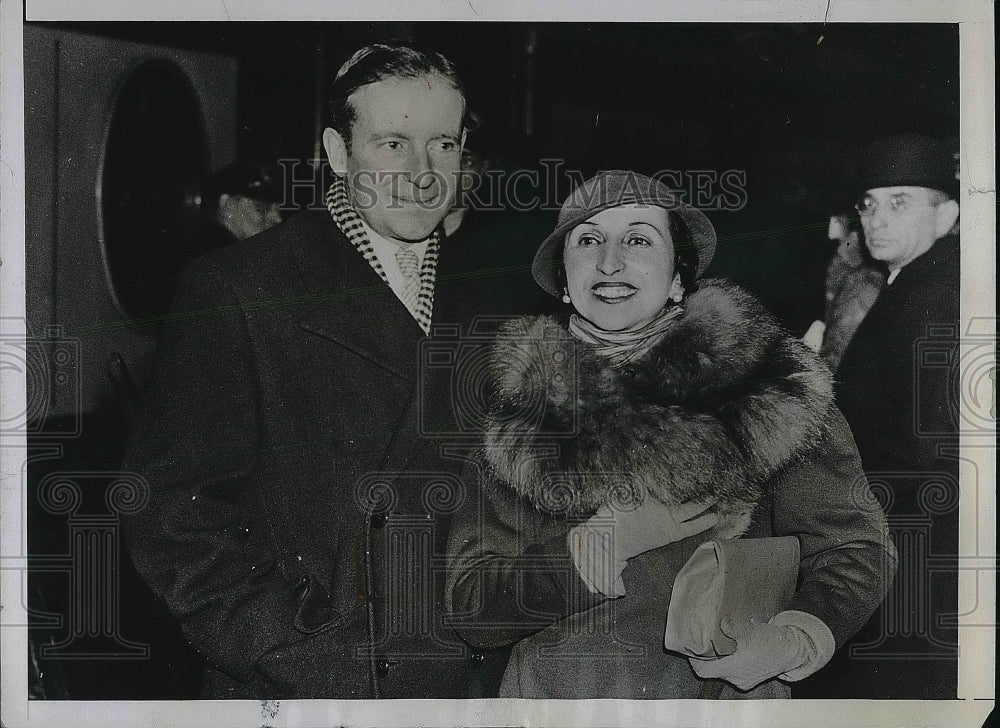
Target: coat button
pixel 477 659
pixel 383 667
pixel 377 520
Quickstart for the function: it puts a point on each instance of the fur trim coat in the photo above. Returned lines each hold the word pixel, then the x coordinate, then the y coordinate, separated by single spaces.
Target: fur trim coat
pixel 722 403
pixel 726 405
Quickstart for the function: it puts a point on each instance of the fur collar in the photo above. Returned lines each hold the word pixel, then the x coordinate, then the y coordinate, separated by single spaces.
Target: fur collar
pixel 717 408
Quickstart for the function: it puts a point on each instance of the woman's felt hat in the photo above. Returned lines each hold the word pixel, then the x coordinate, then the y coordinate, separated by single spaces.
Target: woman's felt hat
pixel 613 189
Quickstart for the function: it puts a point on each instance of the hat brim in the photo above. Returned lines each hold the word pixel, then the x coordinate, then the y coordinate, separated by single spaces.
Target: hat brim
pixel 546 264
pixel 948 185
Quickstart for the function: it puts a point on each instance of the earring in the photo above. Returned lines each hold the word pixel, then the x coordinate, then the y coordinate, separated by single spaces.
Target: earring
pixel 677 296
pixel 566 298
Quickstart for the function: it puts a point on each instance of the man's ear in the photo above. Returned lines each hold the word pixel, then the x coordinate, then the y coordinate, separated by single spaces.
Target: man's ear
pixel 336 151
pixel 947 214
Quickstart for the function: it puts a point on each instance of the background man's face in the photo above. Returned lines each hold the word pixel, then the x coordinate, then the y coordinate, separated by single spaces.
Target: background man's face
pixel 405 153
pixel 904 224
pixel 245 217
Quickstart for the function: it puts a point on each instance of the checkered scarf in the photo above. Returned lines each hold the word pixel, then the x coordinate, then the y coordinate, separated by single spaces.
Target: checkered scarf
pixel 349 222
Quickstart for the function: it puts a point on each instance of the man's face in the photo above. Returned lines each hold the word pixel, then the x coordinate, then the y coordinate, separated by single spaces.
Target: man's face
pixel 901 223
pixel 405 153
pixel 245 217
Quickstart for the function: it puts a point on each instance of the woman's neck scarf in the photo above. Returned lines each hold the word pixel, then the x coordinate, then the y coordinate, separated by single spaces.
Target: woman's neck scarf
pixel 624 347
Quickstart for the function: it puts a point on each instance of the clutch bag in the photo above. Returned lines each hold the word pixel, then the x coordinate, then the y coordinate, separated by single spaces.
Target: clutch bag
pixel 734 578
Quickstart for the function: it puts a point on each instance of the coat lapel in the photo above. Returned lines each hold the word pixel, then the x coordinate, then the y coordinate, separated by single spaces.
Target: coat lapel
pixel 409 438
pixel 355 308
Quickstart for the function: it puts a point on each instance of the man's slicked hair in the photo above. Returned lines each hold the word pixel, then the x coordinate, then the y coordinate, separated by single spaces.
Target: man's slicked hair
pixel 375 63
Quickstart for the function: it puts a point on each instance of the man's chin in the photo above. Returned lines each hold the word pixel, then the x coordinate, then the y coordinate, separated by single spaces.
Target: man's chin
pixel 412 233
pixel 408 226
pixel 879 252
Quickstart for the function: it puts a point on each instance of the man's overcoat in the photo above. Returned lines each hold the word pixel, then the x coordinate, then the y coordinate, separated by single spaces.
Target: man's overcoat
pixel 296 516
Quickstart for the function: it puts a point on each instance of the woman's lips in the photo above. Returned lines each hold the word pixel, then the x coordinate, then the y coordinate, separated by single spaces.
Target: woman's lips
pixel 613 292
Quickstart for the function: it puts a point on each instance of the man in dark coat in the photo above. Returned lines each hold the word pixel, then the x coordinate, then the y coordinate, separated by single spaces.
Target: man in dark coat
pixel 896 389
pixel 296 517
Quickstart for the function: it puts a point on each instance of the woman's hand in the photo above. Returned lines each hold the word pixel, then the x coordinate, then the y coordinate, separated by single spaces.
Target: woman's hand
pixel 601 547
pixel 653 524
pixel 813 337
pixel 763 651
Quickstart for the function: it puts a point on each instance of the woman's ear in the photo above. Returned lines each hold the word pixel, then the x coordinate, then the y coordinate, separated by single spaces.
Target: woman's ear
pixel 677 289
pixel 336 151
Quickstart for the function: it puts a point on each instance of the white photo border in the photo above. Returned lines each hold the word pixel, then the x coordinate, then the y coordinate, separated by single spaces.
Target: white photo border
pixel 977 580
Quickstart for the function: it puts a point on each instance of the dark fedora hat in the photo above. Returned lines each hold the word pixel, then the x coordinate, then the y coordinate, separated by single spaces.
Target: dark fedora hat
pixel 613 189
pixel 908 160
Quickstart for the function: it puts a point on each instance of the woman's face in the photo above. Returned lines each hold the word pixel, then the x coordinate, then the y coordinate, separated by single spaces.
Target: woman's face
pixel 620 266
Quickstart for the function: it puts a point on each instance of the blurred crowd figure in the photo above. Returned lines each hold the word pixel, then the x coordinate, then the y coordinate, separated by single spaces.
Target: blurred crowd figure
pixel 474 166
pixel 238 202
pixel 853 282
pixel 489 229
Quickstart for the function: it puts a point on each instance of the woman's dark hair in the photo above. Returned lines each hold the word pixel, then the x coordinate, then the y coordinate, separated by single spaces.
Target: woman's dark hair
pixel 378 62
pixel 685 252
pixel 685 255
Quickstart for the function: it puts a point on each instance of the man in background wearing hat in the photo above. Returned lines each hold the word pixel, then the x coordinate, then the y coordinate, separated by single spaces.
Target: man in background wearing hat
pixel 904 416
pixel 296 513
pixel 239 202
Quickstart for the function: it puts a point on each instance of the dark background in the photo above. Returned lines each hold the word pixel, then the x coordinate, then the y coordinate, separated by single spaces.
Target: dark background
pixel 771 100
pixel 722 94
pixel 768 99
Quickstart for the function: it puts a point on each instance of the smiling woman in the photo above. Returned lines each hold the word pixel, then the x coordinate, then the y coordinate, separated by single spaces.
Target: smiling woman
pixel 671 413
pixel 620 267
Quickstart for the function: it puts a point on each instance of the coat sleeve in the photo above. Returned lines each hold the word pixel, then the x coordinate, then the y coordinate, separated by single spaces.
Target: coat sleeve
pixel 847 558
pixel 510 571
pixel 194 443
